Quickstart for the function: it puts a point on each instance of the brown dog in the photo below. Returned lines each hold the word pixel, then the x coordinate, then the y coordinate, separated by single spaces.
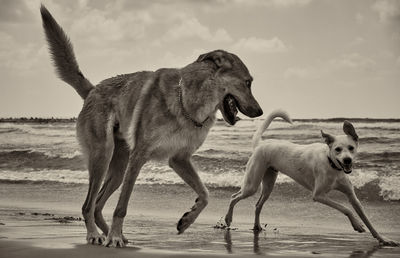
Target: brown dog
pixel 130 119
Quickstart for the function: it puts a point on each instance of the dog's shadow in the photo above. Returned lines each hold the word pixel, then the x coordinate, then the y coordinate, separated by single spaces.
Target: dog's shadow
pixel 229 245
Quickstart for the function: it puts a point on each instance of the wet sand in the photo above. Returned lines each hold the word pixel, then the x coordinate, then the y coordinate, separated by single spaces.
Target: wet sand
pixel 42 220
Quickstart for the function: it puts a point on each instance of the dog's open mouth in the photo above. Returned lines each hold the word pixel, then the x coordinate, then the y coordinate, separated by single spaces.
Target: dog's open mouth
pixel 347 168
pixel 229 109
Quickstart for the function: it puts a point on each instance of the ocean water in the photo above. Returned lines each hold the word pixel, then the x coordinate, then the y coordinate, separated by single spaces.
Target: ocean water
pixel 49 153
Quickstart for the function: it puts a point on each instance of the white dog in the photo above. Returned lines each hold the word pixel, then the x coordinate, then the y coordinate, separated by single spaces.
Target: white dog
pixel 318 167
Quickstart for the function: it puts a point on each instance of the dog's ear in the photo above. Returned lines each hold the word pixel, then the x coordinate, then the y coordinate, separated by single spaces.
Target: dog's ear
pixel 329 139
pixel 349 130
pixel 218 57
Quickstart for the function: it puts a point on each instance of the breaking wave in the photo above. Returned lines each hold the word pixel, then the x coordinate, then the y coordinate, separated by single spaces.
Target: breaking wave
pixel 49 153
pixel 369 184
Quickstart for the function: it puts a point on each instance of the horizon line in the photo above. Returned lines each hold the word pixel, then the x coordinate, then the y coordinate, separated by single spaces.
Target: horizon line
pixel 339 118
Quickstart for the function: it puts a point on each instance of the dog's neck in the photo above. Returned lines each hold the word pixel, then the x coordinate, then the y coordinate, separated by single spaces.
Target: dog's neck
pixel 333 164
pixel 196 95
pixel 183 109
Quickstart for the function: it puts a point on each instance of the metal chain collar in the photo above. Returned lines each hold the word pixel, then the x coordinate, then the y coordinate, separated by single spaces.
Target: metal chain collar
pixel 185 114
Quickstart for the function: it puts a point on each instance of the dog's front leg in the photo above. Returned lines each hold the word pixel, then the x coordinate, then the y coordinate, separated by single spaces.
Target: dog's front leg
pixel 135 163
pixel 184 168
pixel 345 186
pixel 357 225
pixel 360 211
pixel 319 195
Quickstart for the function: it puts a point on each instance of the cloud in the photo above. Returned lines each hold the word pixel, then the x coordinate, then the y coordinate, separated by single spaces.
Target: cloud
pixel 17 56
pixel 192 28
pixel 15 11
pixel 172 60
pixel 272 3
pixel 353 60
pixel 357 41
pixel 100 27
pixel 288 3
pixel 105 28
pixel 300 73
pixel 387 10
pixel 346 65
pixel 360 18
pixel 259 45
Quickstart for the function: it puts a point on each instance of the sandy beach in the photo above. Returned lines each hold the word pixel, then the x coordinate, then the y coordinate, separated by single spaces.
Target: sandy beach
pixel 41 220
pixel 94 91
pixel 43 183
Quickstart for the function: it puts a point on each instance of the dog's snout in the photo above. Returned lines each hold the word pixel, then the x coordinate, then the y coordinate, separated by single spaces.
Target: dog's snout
pixel 251 110
pixel 255 111
pixel 259 112
pixel 347 161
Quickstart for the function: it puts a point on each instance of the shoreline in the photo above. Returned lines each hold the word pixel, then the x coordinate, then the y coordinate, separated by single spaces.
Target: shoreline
pixel 34 235
pixel 296 227
pixel 43 120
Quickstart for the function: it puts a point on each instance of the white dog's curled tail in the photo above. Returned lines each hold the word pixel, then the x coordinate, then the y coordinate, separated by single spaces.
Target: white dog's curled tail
pixel 276 113
pixel 63 55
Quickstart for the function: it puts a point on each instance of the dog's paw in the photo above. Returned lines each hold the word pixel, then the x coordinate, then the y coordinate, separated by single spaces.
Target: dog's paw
pixel 257 228
pixel 186 220
pixel 221 224
pixel 228 220
pixel 124 239
pixel 189 217
pixel 387 242
pixel 115 241
pixel 358 226
pixel 95 238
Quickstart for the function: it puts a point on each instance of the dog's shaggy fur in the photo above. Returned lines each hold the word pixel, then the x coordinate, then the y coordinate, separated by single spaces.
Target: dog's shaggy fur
pixel 318 167
pixel 129 119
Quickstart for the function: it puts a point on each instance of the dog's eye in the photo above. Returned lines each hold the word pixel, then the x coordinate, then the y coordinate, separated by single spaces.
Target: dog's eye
pixel 351 148
pixel 248 83
pixel 338 149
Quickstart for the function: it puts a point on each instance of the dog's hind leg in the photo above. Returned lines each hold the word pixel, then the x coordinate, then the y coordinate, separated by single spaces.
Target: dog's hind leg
pixel 113 180
pixel 267 187
pixel 137 158
pixel 98 145
pixel 255 171
pixel 235 199
pixel 184 168
pixel 236 194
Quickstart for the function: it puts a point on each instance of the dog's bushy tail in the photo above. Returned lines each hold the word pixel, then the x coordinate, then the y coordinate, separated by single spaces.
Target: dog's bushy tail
pixel 276 113
pixel 63 55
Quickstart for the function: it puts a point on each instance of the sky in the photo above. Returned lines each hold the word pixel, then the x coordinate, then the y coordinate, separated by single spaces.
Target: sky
pixel 313 58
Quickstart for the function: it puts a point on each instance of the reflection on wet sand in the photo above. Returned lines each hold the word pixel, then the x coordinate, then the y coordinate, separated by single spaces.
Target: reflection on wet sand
pixel 256 246
pixel 364 254
pixel 277 245
pixel 229 245
pixel 228 240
